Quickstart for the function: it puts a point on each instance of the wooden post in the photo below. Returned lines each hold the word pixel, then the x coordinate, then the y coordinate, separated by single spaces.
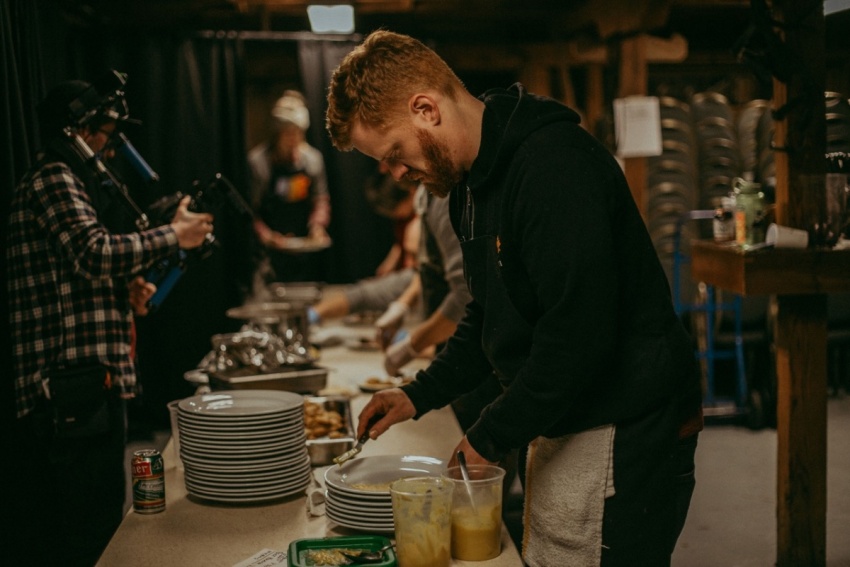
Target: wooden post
pixel 801 339
pixel 594 97
pixel 634 81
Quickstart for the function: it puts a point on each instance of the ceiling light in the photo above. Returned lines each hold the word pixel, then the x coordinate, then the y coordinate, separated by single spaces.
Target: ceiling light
pixel 331 19
pixel 833 6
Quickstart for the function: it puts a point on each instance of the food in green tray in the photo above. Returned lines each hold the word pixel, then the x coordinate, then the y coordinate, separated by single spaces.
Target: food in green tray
pixel 330 557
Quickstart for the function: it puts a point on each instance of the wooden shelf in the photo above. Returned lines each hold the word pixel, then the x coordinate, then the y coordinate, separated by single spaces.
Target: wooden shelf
pixel 770 271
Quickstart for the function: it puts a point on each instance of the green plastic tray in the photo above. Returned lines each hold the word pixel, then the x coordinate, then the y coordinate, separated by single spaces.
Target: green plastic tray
pixel 370 543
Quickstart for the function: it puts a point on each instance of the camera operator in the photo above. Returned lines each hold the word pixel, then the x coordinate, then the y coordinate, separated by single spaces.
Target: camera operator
pixel 73 285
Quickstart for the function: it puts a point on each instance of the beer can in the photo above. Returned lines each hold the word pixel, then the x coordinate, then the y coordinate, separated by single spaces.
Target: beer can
pixel 148 472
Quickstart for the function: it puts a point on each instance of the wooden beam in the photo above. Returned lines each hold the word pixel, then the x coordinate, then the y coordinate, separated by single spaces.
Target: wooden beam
pixel 594 97
pixel 801 341
pixel 634 81
pixel 572 53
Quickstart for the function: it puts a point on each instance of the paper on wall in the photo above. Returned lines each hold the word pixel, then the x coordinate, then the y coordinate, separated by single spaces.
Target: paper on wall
pixel 637 126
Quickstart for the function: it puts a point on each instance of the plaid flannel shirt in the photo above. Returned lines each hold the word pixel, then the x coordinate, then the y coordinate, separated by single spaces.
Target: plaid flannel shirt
pixel 67 282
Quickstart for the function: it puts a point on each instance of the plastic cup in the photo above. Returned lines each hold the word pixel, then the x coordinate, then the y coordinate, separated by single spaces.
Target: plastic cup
pixel 175 432
pixel 477 512
pixel 422 513
pixel 786 237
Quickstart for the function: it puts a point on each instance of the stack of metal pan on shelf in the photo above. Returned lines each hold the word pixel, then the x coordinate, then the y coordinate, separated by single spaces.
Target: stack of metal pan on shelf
pixel 672 189
pixel 837 123
pixel 766 169
pixel 749 142
pixel 719 155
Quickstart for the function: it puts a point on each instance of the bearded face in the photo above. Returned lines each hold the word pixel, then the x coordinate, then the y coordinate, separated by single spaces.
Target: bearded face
pixel 442 176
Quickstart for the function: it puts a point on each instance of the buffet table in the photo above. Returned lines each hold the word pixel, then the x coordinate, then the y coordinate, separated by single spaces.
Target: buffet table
pixel 194 532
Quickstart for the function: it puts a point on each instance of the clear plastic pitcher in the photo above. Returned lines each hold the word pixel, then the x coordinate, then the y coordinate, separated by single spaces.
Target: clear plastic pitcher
pixel 422 513
pixel 477 512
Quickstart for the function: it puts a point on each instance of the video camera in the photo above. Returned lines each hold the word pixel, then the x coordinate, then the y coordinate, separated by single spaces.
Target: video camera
pixel 211 198
pixel 105 97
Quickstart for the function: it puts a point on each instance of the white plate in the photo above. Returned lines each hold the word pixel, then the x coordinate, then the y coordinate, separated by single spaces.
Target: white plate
pixel 245 465
pixel 301 244
pixel 279 475
pixel 246 498
pixel 240 433
pixel 251 422
pixel 282 439
pixel 240 486
pixel 384 514
pixel 231 452
pixel 347 499
pixel 379 527
pixel 380 470
pixel 242 403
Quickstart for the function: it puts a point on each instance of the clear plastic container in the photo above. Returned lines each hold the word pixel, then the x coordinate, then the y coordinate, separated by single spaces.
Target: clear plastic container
pixel 422 513
pixel 477 512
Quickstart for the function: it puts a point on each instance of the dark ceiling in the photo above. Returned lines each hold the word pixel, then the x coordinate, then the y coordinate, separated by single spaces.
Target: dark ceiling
pixel 706 22
pixel 712 27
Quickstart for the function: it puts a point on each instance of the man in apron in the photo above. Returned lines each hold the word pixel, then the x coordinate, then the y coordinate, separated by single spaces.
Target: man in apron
pixel 289 193
pixel 571 308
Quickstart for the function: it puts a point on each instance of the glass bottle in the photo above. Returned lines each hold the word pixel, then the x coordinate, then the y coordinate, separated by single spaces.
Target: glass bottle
pixel 749 208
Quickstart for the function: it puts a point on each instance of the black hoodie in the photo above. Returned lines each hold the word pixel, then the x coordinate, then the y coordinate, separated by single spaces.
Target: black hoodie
pixel 571 308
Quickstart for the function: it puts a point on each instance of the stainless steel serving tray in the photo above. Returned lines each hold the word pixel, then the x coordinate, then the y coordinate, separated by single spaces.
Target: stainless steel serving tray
pixel 307 379
pixel 322 450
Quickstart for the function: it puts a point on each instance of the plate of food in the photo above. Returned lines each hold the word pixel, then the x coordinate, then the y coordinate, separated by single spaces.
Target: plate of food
pixel 298 244
pixel 364 344
pixel 370 477
pixel 376 384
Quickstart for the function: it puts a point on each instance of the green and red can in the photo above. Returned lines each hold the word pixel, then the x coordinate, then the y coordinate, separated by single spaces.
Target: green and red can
pixel 148 471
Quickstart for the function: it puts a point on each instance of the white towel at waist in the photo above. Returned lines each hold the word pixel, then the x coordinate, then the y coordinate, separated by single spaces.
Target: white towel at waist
pixel 567 481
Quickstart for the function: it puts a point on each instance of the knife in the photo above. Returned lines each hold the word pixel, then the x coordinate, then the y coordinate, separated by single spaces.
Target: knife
pixel 360 442
pixel 353 451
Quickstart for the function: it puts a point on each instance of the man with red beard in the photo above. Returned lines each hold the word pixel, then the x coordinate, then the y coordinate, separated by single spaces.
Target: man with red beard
pixel 571 308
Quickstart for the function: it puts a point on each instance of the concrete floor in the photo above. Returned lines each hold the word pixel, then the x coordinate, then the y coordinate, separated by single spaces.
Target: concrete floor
pixel 732 519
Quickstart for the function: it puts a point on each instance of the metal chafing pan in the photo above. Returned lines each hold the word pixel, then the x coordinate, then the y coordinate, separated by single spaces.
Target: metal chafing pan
pixel 322 450
pixel 307 379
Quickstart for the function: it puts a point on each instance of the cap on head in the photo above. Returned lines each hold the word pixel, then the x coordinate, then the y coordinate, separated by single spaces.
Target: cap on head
pixel 291 109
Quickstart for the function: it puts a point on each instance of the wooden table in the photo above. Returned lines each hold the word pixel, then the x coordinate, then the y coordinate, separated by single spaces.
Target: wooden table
pixel 800 279
pixel 190 532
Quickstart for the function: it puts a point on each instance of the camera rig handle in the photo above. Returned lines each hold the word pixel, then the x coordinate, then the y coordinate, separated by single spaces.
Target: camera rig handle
pixel 88 156
pixel 217 193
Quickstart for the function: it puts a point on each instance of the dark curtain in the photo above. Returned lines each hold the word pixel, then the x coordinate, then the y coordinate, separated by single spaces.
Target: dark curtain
pixel 361 237
pixel 188 94
pixel 190 101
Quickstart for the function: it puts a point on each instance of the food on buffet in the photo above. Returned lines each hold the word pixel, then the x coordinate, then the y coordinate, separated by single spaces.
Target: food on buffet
pixel 329 557
pixel 362 319
pixel 374 383
pixel 331 551
pixel 372 487
pixel 363 344
pixel 320 422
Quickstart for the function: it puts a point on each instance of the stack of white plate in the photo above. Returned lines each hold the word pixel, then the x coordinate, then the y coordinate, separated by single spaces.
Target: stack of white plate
pixel 244 445
pixel 358 492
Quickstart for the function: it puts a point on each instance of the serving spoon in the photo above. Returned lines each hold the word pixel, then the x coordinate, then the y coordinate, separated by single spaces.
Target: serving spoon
pixel 461 460
pixel 366 556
